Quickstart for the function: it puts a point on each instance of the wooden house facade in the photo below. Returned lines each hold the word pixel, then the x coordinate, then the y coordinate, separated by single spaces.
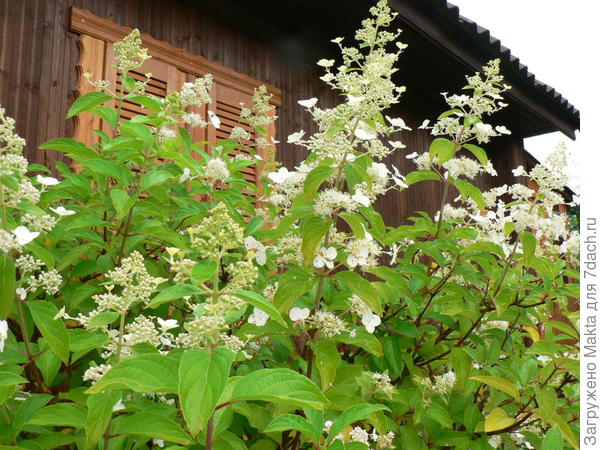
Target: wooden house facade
pixel 46 45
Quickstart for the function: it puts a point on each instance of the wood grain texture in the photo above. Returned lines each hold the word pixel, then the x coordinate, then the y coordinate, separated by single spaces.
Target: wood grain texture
pixel 39 80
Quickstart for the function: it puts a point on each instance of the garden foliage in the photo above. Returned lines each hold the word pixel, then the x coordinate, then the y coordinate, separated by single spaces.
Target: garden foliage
pixel 154 298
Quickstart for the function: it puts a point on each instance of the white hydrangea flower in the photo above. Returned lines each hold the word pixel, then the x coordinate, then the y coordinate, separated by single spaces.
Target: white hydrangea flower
pixel 47 181
pixel 359 434
pixel 398 122
pixel 355 99
pixel 520 172
pixel 3 334
pixel 214 119
pixel 361 198
pixel 365 132
pixel 119 406
pixel 295 137
pixel 371 321
pixel 412 155
pixel 325 257
pixel 298 314
pixel 62 211
pixel 185 175
pixel 24 236
pixel 308 103
pixel 280 176
pixel 260 252
pixel 502 129
pixel 258 317
pixel 168 324
pixel 158 442
pixel 424 124
pixel 326 62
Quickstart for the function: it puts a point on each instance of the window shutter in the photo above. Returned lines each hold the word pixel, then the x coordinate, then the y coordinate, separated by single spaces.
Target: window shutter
pixel 170 68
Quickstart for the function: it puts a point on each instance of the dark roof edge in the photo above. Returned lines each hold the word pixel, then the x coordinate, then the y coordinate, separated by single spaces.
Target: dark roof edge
pixel 564 116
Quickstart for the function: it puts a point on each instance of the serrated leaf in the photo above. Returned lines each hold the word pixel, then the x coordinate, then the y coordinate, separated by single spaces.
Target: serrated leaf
pixel 150 425
pixel 203 271
pixel 497 420
pixel 361 287
pixel 87 102
pixel 420 175
pixel 143 373
pixel 314 179
pixel 261 302
pixel 528 242
pixel 313 229
pixel 60 414
pixel 279 386
pixel 100 408
pixel 291 422
pixel 176 292
pixel 478 152
pixel 54 331
pixel 7 284
pixel 74 149
pixel 354 414
pixel 202 378
pixel 502 385
pixel 122 202
pixel 443 148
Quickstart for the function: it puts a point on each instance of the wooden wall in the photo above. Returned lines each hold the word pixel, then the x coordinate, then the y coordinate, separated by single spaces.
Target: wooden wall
pixel 38 80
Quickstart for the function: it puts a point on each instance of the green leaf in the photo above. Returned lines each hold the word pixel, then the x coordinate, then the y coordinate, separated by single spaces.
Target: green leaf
pixel 60 414
pixel 363 339
pixel 143 373
pixel 327 359
pixel 108 169
pixel 203 271
pixel 354 414
pixel 175 292
pixel 54 331
pixel 74 149
pixel 87 102
pixel 501 384
pixel 440 414
pixel 279 386
pixel 261 302
pixel 10 379
pixel 528 241
pixel 100 409
pixel 292 285
pixel 420 175
pixel 313 229
pixel 202 378
pixel 443 148
pixel 497 420
pixel 150 425
pixel 103 318
pixel 468 190
pixel 156 177
pixel 122 202
pixel 553 440
pixel 291 422
pixel 361 287
pixel 152 103
pixel 314 179
pixel 479 153
pixel 107 113
pixel 7 284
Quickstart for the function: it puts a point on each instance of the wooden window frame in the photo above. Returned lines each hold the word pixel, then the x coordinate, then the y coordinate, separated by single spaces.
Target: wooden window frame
pixel 96 36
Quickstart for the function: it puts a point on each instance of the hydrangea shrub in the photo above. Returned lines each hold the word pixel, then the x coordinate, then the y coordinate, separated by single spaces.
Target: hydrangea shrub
pixel 153 298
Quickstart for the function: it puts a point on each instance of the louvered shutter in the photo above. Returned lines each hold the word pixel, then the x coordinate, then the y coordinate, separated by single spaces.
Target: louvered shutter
pixel 165 79
pixel 227 107
pixel 170 68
